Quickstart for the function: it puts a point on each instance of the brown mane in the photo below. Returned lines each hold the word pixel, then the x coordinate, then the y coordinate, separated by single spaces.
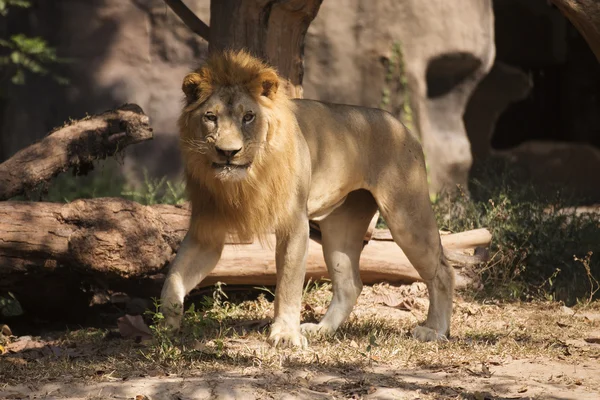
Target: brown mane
pixel 261 203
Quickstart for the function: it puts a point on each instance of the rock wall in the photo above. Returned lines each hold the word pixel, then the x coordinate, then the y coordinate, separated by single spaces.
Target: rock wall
pixel 446 47
pixel 427 62
pixel 119 51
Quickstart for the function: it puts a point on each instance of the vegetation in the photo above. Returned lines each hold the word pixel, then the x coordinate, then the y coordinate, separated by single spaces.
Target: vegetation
pixel 397 82
pixel 20 53
pixel 540 247
pixel 106 180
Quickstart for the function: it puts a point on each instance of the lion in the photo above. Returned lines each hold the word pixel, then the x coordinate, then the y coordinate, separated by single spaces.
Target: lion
pixel 258 162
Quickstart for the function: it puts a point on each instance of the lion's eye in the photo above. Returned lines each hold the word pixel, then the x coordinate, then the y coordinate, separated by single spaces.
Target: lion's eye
pixel 248 117
pixel 210 117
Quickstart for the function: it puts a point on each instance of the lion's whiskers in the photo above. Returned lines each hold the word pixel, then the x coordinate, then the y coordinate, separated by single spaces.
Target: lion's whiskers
pixel 196 145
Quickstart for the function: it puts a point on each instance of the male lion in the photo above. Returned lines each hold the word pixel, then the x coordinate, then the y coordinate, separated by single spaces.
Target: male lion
pixel 257 162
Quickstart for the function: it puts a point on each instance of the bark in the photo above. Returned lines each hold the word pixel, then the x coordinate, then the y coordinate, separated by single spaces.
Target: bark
pixel 585 16
pixel 118 238
pixel 76 145
pixel 273 30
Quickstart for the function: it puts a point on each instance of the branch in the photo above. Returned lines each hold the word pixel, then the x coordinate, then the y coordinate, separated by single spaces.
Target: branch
pixel 189 18
pixel 74 145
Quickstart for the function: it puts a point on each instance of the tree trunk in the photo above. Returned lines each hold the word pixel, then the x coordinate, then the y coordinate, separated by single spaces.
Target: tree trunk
pixel 274 30
pixel 585 16
pixel 76 144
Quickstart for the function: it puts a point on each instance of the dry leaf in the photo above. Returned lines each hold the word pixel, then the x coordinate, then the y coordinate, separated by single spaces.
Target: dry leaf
pixel 24 343
pixel 15 360
pixel 394 300
pixel 5 330
pixel 133 326
pixel 390 299
pixel 567 310
pixel 595 338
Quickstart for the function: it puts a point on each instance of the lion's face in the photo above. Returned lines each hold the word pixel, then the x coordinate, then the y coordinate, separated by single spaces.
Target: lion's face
pixel 229 129
pixel 238 139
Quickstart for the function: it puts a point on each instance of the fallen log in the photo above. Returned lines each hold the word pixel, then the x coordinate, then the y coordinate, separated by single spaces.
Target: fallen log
pixel 118 238
pixel 380 261
pixel 75 145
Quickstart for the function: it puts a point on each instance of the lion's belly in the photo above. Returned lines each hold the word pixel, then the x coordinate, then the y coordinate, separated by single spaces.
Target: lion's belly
pixel 319 210
pixel 332 178
pixel 328 194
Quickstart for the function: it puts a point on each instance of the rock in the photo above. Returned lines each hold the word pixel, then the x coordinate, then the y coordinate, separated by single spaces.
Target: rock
pixel 568 164
pixel 351 46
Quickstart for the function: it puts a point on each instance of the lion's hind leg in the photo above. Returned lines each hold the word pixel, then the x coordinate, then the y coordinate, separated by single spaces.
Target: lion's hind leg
pixel 411 221
pixel 343 232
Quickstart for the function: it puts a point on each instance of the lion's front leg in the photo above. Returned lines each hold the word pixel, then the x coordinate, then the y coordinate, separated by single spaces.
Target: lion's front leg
pixel 290 258
pixel 193 262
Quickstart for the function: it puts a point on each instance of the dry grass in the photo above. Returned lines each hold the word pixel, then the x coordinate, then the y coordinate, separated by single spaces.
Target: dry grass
pixel 233 337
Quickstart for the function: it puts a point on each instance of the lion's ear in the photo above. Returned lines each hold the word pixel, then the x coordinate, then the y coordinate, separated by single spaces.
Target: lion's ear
pixel 270 84
pixel 191 87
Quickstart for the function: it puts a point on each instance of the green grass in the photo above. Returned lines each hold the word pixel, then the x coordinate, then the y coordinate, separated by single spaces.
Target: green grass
pixel 107 180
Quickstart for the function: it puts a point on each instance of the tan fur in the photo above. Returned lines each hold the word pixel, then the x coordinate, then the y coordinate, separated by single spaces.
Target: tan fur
pixel 259 204
pixel 291 161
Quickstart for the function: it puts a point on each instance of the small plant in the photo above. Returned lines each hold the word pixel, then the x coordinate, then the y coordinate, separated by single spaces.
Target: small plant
pixel 163 348
pixel 20 53
pixel 396 81
pixel 157 191
pixel 593 282
pixel 198 324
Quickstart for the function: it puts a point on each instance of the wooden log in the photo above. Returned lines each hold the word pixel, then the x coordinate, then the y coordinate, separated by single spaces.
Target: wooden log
pixel 118 238
pixel 76 145
pixel 381 261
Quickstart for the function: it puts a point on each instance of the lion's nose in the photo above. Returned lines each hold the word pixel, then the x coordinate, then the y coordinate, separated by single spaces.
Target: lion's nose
pixel 227 152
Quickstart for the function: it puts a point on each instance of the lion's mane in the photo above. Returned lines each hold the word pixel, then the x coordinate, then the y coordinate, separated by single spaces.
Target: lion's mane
pixel 261 203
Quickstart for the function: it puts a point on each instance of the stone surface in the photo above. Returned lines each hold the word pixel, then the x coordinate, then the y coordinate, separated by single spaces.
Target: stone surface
pixel 571 167
pixel 125 51
pixel 351 45
pixel 426 62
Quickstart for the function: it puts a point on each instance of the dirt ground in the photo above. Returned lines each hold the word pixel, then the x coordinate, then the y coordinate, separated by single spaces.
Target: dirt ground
pixel 538 350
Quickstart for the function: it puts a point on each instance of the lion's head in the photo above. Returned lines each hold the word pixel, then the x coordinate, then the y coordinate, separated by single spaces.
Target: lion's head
pixel 237 144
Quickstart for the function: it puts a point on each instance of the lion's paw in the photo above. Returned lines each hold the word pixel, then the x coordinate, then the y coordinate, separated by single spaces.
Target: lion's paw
pixel 172 322
pixel 284 337
pixel 173 314
pixel 425 334
pixel 310 329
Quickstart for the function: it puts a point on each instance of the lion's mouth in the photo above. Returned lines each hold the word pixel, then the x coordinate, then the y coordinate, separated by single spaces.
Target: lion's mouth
pixel 230 167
